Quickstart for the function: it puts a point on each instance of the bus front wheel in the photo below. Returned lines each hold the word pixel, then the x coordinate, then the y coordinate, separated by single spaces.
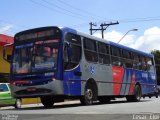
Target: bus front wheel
pixel 87 99
pixel 47 101
pixel 90 94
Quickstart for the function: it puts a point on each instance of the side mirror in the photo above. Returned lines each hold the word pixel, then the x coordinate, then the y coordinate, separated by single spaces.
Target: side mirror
pixel 6 55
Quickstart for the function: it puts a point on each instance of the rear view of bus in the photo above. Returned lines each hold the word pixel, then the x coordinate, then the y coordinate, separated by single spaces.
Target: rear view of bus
pixel 34 64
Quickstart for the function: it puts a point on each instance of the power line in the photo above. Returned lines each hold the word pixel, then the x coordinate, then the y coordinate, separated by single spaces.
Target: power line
pixel 82 17
pixel 66 10
pixel 55 10
pixel 147 19
pixel 80 10
pixel 46 7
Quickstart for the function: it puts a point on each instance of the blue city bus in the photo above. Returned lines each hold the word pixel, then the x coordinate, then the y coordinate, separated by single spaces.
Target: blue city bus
pixel 56 63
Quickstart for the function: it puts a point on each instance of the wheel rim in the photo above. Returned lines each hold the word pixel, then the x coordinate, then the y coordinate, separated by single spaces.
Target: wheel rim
pixel 89 96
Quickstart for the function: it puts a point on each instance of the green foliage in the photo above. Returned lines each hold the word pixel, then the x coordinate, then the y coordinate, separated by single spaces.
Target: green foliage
pixel 156 54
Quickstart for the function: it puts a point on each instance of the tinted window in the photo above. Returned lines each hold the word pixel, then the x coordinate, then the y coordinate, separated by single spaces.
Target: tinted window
pixel 116 54
pixel 135 61
pixel 103 48
pixel 143 63
pixel 150 65
pixel 126 54
pixel 115 51
pixel 72 38
pixel 90 44
pixel 104 56
pixel 126 59
pixel 90 50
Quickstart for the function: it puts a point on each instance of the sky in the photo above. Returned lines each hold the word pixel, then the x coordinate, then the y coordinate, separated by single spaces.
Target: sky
pixel 18 15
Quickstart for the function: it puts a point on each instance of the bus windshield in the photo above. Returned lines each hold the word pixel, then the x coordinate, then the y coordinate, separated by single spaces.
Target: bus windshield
pixel 35 57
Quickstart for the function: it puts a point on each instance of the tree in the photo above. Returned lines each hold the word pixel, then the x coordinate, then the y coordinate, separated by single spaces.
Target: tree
pixel 156 54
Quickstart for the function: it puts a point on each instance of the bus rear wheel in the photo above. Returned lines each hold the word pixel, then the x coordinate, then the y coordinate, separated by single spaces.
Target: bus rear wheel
pixel 47 101
pixel 137 95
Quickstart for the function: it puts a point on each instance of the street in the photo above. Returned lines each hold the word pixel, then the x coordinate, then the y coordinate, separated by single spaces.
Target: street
pixel 117 109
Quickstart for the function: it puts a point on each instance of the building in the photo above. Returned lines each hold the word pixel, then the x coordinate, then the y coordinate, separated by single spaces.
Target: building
pixel 4 65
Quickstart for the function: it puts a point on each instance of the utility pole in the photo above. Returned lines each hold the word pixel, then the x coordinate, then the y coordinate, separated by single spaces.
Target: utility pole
pixel 103 26
pixel 91 24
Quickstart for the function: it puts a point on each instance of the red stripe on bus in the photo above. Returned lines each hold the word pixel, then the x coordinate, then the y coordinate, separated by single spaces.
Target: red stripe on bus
pixel 118 74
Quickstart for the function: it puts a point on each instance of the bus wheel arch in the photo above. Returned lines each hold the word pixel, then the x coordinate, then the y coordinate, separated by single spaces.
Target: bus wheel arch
pixel 90 92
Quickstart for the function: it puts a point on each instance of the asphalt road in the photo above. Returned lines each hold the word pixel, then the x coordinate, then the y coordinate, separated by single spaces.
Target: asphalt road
pixel 147 109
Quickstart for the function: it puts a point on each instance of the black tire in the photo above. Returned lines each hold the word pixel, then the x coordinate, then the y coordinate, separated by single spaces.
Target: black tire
pixel 47 101
pixel 104 100
pixel 137 95
pixel 89 95
pixel 18 104
pixel 87 99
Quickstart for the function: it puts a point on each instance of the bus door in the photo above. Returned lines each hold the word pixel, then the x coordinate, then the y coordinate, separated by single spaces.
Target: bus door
pixel 72 82
pixel 72 72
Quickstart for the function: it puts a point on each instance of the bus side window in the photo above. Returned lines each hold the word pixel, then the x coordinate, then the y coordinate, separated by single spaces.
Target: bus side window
pixel 116 56
pixel 144 64
pixel 127 59
pixel 90 50
pixel 103 50
pixel 150 65
pixel 135 61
